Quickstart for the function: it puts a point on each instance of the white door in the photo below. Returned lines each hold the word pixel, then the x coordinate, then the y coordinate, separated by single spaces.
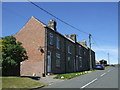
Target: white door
pixel 49 62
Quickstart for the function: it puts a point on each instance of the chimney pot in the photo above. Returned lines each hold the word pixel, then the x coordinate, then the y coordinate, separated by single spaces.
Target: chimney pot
pixel 73 37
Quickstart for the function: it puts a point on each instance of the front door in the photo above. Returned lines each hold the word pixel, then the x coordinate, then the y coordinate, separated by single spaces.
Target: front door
pixel 49 62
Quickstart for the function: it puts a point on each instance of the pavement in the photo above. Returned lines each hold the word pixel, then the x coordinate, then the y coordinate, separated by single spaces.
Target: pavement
pixel 49 80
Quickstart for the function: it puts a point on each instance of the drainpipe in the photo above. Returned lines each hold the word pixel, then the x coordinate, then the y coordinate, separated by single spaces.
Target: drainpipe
pixel 65 54
pixel 45 56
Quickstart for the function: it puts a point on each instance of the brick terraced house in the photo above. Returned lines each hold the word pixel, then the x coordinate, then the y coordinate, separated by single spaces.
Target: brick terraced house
pixel 50 52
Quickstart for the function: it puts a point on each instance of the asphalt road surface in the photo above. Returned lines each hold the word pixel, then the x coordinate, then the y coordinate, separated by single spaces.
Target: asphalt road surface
pixel 107 78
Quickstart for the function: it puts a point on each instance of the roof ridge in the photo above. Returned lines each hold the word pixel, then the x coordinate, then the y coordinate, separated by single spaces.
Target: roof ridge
pixel 38 20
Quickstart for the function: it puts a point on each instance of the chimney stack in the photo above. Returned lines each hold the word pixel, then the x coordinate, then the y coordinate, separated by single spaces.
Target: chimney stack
pixel 73 37
pixel 84 42
pixel 52 24
pixel 66 35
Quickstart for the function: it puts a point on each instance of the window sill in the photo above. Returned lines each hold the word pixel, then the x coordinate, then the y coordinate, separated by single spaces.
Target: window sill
pixel 51 44
pixel 57 67
pixel 58 48
pixel 69 53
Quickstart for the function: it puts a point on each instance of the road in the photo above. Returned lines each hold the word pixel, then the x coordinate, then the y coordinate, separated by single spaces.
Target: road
pixel 107 78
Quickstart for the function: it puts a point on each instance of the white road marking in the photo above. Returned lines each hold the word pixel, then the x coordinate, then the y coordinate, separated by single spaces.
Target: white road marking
pixel 89 83
pixel 50 83
pixel 109 71
pixel 94 80
pixel 103 74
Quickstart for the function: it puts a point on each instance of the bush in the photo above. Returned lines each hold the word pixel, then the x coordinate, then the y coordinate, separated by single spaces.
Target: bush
pixel 12 54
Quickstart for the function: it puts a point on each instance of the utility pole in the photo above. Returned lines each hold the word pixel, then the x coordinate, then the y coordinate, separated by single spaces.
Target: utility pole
pixel 108 59
pixel 90 51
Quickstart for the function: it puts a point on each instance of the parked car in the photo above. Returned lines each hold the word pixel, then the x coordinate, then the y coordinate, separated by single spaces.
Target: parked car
pixel 99 67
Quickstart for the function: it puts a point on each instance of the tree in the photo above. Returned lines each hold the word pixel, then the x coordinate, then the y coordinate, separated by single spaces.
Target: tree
pixel 12 54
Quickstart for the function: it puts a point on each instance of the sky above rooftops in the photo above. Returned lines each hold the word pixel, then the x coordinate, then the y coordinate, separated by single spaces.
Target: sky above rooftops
pixel 97 18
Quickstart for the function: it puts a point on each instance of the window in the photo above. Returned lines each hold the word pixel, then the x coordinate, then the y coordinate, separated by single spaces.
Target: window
pixel 80 59
pixel 69 49
pixel 84 52
pixel 68 59
pixel 68 62
pixel 77 63
pixel 49 62
pixel 57 42
pixel 79 50
pixel 51 39
pixel 57 60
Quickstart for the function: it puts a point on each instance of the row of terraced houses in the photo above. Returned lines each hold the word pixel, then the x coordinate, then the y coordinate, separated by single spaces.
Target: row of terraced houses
pixel 50 52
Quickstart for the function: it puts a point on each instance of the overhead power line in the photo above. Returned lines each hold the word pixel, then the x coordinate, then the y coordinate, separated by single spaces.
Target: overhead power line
pixel 105 51
pixel 61 20
pixel 94 39
pixel 18 14
pixel 58 18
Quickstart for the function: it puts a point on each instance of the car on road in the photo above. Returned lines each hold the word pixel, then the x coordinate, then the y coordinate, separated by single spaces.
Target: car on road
pixel 99 67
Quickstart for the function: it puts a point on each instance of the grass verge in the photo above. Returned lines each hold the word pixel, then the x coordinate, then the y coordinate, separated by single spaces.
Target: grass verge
pixel 68 76
pixel 20 82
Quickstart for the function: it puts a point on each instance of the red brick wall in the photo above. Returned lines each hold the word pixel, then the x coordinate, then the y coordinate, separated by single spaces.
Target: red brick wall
pixel 32 36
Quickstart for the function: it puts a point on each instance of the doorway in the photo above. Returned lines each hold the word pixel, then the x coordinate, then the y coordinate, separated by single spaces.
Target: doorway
pixel 49 62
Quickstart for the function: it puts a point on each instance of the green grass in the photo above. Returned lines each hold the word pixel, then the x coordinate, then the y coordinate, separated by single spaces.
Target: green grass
pixel 107 66
pixel 70 75
pixel 20 82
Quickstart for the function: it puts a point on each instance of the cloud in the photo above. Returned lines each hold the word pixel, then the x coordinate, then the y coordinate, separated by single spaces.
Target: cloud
pixel 101 53
pixel 106 49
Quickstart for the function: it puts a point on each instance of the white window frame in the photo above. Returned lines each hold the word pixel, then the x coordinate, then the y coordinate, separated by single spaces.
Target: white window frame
pixel 84 52
pixel 79 50
pixel 80 60
pixel 58 61
pixel 69 49
pixel 49 61
pixel 77 62
pixel 51 39
pixel 57 42
pixel 68 60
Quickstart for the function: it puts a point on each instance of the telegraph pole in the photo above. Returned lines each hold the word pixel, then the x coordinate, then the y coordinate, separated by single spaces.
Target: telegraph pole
pixel 90 51
pixel 108 59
